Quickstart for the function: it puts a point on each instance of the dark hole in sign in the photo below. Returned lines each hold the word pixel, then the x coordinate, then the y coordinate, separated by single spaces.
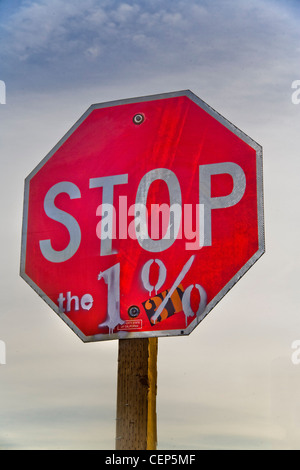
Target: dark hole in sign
pixel 138 119
pixel 133 311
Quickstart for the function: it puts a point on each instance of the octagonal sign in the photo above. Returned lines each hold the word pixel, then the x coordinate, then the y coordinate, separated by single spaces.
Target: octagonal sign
pixel 143 217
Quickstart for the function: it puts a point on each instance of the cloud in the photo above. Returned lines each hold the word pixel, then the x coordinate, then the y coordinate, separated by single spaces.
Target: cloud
pixel 59 40
pixel 52 29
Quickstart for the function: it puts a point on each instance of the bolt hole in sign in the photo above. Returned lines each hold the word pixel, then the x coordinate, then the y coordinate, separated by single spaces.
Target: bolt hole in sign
pixel 143 217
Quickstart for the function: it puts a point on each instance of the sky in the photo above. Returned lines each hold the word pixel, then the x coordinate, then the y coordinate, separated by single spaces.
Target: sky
pixel 233 383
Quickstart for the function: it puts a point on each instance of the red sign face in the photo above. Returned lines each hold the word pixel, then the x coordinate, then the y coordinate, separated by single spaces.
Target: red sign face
pixel 143 217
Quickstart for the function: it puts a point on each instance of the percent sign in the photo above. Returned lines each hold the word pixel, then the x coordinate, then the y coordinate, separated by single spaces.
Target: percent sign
pixel 111 276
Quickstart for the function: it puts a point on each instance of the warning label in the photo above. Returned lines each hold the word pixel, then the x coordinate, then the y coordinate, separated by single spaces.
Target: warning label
pixel 131 325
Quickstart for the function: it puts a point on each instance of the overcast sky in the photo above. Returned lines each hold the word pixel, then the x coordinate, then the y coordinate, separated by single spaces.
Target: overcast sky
pixel 231 384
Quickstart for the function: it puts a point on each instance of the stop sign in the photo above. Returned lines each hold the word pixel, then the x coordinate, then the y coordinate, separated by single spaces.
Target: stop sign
pixel 143 217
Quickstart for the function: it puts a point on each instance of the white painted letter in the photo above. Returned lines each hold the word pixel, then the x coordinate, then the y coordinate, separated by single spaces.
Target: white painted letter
pixel 141 200
pixel 86 302
pixel 65 219
pixel 107 183
pixel 61 300
pixel 207 203
pixel 146 276
pixel 111 277
pixel 69 300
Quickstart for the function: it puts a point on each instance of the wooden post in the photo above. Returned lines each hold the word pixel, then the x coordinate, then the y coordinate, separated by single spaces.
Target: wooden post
pixel 136 427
